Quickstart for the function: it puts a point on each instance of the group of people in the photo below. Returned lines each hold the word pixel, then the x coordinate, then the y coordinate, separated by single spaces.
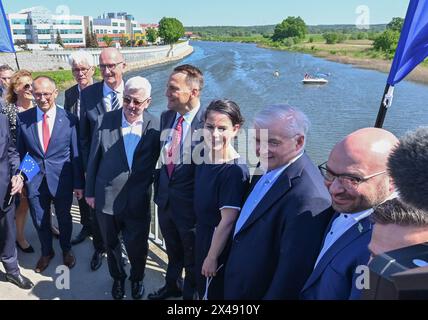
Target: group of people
pixel 291 231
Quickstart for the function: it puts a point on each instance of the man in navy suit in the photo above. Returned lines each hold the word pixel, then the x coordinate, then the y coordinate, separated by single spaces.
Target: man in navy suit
pixel 97 99
pixel 10 184
pixel 279 231
pixel 174 184
pixel 49 134
pixel 356 177
pixel 82 67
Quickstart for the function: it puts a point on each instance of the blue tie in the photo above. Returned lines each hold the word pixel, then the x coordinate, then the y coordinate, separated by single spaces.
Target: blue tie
pixel 114 101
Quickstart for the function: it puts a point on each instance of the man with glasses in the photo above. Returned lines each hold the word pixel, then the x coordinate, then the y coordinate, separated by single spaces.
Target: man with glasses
pixel 98 99
pixel 49 135
pixel 356 177
pixel 83 69
pixel 6 73
pixel 120 174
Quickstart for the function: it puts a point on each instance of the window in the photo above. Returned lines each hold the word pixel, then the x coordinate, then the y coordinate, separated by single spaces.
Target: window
pixel 114 24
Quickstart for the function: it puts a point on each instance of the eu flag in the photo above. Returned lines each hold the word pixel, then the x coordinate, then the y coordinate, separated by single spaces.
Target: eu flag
pixel 6 43
pixel 412 48
pixel 29 167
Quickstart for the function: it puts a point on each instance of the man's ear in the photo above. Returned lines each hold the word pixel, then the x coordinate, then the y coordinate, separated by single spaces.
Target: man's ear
pixel 300 142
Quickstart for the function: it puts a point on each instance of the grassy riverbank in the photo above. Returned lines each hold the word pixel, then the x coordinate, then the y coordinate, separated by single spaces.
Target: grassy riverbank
pixel 63 78
pixel 356 52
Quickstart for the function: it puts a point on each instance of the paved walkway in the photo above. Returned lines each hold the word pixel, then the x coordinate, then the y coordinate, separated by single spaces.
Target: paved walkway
pixel 84 283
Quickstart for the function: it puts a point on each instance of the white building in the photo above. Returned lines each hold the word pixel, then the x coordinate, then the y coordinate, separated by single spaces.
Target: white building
pixel 116 24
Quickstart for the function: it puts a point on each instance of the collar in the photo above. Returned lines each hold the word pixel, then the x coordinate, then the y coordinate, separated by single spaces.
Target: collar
pixel 273 174
pixel 357 216
pixel 189 116
pixel 51 113
pixel 107 90
pixel 125 122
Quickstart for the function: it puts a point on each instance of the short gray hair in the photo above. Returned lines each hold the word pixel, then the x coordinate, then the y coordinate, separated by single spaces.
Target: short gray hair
pixel 294 120
pixel 139 83
pixel 397 212
pixel 81 57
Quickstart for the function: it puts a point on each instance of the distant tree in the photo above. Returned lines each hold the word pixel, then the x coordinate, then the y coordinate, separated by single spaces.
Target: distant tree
pixel 334 37
pixel 123 40
pixel 107 40
pixel 140 43
pixel 91 42
pixel 170 30
pixel 290 27
pixel 94 40
pixel 59 39
pixel 151 35
pixel 396 24
pixel 387 41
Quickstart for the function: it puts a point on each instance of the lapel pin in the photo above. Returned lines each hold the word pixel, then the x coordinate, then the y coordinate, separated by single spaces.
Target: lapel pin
pixel 360 227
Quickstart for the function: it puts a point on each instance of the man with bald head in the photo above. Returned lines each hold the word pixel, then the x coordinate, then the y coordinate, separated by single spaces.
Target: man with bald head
pixel 49 135
pixel 96 100
pixel 356 177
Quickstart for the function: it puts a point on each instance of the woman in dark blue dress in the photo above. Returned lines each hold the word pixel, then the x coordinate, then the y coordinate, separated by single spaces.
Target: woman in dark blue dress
pixel 220 186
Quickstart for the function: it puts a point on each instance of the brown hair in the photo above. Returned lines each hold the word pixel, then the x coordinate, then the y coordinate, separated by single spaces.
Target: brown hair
pixel 11 96
pixel 193 75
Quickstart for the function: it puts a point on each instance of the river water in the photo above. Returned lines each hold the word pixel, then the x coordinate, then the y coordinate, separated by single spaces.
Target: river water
pixel 244 73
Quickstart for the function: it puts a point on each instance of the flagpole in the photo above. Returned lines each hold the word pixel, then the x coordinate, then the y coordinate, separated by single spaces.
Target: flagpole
pixel 382 109
pixel 16 59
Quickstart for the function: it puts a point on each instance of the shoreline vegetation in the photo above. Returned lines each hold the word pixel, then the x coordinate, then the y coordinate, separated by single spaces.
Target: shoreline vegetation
pixel 359 53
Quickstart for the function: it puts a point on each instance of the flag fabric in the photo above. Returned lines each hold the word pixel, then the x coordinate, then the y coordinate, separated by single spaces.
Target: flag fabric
pixel 29 167
pixel 412 47
pixel 6 42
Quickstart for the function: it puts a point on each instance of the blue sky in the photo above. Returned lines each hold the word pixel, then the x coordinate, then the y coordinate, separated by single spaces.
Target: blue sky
pixel 229 12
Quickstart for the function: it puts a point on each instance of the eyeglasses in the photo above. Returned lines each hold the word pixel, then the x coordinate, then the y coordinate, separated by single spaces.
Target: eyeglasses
pixel 47 95
pixel 6 78
pixel 348 181
pixel 137 103
pixel 84 71
pixel 111 67
pixel 28 86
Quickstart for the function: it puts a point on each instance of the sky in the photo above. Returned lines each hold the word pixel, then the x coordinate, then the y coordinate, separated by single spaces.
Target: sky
pixel 229 12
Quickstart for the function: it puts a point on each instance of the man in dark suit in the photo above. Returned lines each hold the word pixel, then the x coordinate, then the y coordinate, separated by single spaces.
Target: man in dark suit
pixel 98 99
pixel 49 134
pixel 124 153
pixel 82 67
pixel 6 73
pixel 174 185
pixel 9 186
pixel 356 177
pixel 279 231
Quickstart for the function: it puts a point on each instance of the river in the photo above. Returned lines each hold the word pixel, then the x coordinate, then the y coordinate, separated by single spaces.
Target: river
pixel 244 73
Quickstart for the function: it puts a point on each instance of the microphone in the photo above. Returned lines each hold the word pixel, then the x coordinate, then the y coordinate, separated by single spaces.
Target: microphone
pixel 408 166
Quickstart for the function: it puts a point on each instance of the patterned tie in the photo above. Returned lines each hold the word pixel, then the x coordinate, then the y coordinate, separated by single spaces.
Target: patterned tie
pixel 114 101
pixel 174 148
pixel 45 132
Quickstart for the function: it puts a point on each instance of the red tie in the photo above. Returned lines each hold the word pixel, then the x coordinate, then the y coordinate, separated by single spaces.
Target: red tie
pixel 45 132
pixel 174 148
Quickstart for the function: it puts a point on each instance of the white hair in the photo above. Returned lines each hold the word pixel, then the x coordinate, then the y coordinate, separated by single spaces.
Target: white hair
pixel 139 83
pixel 81 57
pixel 294 120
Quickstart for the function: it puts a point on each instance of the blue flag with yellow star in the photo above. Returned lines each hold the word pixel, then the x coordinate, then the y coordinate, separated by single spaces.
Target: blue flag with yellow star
pixel 29 167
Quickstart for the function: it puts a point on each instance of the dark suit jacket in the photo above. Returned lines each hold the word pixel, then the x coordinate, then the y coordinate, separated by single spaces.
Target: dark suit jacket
pixel 114 185
pixel 273 254
pixel 91 107
pixel 9 161
pixel 71 96
pixel 61 165
pixel 179 189
pixel 334 277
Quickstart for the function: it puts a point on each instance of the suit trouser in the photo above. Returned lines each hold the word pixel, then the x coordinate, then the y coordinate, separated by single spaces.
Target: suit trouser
pixel 135 233
pixel 9 256
pixel 40 206
pixel 180 244
pixel 97 238
pixel 85 215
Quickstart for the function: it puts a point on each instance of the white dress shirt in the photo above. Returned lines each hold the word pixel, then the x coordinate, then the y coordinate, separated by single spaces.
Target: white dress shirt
pixel 132 134
pixel 51 121
pixel 108 95
pixel 261 188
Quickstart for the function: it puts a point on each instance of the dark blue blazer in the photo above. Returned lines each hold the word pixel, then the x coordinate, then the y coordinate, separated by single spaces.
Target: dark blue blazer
pixel 179 189
pixel 61 165
pixel 9 161
pixel 334 277
pixel 273 254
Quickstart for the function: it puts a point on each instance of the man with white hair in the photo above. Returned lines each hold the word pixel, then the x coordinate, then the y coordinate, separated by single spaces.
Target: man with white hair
pixel 124 152
pixel 83 69
pixel 279 231
pixel 356 177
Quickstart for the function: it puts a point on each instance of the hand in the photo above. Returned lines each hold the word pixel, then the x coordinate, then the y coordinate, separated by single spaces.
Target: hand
pixel 91 202
pixel 209 267
pixel 17 184
pixel 78 193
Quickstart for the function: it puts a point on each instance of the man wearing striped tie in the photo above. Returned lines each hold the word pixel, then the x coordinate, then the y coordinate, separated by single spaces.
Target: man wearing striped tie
pixel 96 100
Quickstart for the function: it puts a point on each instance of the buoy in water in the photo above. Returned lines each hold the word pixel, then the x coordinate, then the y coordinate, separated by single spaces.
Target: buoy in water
pixel 276 73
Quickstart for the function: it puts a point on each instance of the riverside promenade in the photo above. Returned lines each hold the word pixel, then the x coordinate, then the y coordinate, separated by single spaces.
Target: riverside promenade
pixel 84 284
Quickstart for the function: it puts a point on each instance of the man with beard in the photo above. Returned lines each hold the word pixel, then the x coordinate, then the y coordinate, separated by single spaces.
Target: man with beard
pixel 356 177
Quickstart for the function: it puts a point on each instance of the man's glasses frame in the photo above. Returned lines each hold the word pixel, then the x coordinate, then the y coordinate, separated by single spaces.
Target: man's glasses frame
pixel 111 67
